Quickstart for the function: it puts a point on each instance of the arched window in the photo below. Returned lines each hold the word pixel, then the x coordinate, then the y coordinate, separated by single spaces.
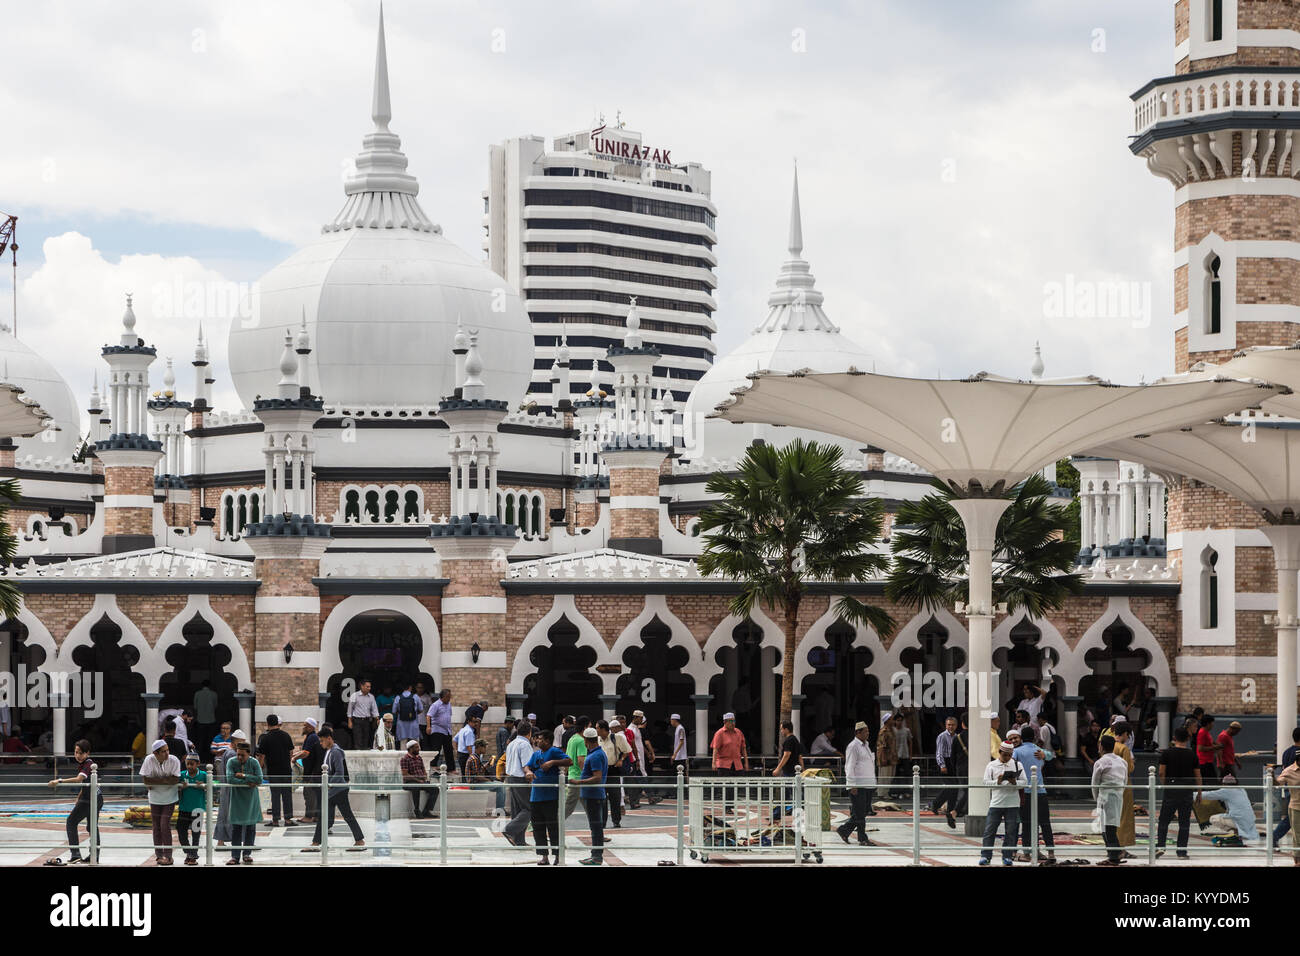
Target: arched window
pixel 372 506
pixel 1209 589
pixel 390 506
pixel 510 509
pixel 352 506
pixel 255 505
pixel 536 522
pixel 243 513
pixel 228 516
pixel 412 510
pixel 1214 297
pixel 1214 28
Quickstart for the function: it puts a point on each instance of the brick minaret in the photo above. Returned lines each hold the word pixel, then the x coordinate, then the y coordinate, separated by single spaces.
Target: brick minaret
pixel 636 451
pixel 1222 130
pixel 128 455
pixel 473 544
pixel 287 545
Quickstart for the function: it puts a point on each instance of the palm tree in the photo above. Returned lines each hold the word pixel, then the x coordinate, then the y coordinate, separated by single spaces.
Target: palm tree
pixel 11 599
pixel 791 517
pixel 1033 558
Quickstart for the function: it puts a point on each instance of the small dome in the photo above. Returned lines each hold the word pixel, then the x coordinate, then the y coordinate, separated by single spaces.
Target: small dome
pixel 20 366
pixel 796 334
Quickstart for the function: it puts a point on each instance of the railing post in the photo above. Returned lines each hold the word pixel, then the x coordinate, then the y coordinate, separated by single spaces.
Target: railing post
pixel 442 814
pixel 1152 816
pixel 1033 816
pixel 324 816
pixel 563 799
pixel 916 814
pixel 208 797
pixel 681 810
pixel 797 813
pixel 92 822
pixel 1268 817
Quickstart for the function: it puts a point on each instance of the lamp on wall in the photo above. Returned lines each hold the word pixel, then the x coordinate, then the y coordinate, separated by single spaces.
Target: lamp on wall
pixel 288 652
pixel 474 652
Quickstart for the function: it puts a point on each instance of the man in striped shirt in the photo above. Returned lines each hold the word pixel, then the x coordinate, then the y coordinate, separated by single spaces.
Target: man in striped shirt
pixel 947 797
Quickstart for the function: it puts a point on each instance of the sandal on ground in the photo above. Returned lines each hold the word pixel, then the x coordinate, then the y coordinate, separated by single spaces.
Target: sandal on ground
pixel 55 862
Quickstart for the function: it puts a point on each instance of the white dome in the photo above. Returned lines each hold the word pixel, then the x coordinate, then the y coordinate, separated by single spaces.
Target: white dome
pixel 40 383
pixel 382 306
pixel 382 293
pixel 795 335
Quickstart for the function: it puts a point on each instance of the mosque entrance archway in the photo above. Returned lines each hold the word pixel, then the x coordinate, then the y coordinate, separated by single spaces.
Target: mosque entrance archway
pixel 382 646
pixel 1115 667
pixel 195 660
pixel 749 685
pixel 933 656
pixel 839 692
pixel 1024 663
pixel 564 679
pixel 121 702
pixel 19 657
pixel 656 685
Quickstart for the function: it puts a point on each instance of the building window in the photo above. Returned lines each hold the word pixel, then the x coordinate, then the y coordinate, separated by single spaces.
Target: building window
pixel 372 507
pixel 1214 296
pixel 1209 589
pixel 412 510
pixel 1215 26
pixel 536 522
pixel 391 499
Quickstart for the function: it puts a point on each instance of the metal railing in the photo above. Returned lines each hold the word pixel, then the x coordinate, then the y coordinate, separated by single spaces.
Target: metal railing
pixel 713 816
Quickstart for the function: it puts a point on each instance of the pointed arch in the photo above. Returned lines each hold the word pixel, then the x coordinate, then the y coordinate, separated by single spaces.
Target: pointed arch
pixel 222 635
pixel 331 661
pixel 815 636
pixel 773 636
pixel 891 662
pixel 538 636
pixel 1119 610
pixel 38 635
pixel 106 606
pixel 656 605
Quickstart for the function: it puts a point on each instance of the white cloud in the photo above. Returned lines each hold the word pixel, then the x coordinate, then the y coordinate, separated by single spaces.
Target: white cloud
pixel 72 305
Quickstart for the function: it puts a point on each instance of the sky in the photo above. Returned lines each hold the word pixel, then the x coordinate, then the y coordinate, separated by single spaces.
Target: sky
pixel 966 183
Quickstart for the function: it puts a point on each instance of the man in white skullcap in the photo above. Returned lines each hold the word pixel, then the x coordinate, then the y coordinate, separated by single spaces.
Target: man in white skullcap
pixel 161 773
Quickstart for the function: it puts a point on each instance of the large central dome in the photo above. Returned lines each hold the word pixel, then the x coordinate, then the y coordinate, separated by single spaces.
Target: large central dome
pixel 382 293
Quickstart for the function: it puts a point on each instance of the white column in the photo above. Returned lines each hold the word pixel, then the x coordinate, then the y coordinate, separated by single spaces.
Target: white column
pixel 703 732
pixel 980 516
pixel 1286 556
pixel 268 494
pixel 1157 509
pixel 1070 726
pixel 1141 494
pixel 1086 536
pixel 1098 519
pixel 59 710
pixel 1125 529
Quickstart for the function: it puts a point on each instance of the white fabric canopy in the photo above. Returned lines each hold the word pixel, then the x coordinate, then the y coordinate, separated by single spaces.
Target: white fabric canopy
pixel 986 430
pixel 19 418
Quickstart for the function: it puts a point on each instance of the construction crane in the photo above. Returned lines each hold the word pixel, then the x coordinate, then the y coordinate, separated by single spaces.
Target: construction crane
pixel 9 240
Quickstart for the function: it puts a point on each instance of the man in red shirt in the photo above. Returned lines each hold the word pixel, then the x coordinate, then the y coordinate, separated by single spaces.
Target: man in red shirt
pixel 730 757
pixel 1228 751
pixel 1206 748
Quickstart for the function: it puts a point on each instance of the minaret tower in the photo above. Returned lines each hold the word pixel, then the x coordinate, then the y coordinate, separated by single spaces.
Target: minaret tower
pixel 634 454
pixel 128 454
pixel 169 416
pixel 1224 130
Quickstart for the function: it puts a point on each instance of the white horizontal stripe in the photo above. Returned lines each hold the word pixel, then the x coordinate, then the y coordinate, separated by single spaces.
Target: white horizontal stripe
pixel 1288 39
pixel 1226 665
pixel 1182 51
pixel 286 605
pixel 1236 186
pixel 463 659
pixel 649 502
pixel 263 659
pixel 288 714
pixel 1254 601
pixel 474 605
pixel 128 501
pixel 1241 538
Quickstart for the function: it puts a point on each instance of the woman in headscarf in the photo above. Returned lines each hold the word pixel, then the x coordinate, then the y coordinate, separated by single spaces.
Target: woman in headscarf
pixel 886 754
pixel 1121 731
pixel 222 831
pixel 384 739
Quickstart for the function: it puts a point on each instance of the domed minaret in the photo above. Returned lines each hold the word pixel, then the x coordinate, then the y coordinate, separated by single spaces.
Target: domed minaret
pixel 634 453
pixel 1224 130
pixel 169 416
pixel 474 543
pixel 128 454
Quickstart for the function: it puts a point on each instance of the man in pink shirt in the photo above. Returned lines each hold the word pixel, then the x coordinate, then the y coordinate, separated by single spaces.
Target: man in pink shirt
pixel 730 757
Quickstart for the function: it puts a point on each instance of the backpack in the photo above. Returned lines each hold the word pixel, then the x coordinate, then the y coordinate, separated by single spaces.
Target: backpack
pixel 406 708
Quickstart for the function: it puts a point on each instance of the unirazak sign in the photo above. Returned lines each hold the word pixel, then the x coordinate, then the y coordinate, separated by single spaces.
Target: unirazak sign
pixel 632 152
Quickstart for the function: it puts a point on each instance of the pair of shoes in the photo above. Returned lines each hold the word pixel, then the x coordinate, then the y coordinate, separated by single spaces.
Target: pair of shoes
pixel 983 861
pixel 1006 862
pixel 314 848
pixel 78 859
pixel 843 836
pixel 56 862
pixel 1182 855
pixel 511 840
pixel 543 861
pixel 293 823
pixel 589 862
pixel 357 847
pixel 232 863
pixel 1023 858
pixel 248 859
pixel 274 823
pixel 952 821
pixel 864 841
pixel 616 826
pixel 872 813
pixel 1128 856
pixel 191 861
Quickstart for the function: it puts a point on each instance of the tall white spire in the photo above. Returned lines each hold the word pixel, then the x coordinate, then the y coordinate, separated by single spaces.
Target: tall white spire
pixel 381 109
pixel 796 221
pixel 1037 368
pixel 632 338
pixel 795 302
pixel 381 193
